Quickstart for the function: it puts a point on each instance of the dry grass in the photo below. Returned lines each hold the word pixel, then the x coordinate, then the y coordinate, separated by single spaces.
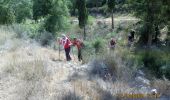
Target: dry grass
pixel 4 35
pixel 31 72
pixel 26 70
pixel 163 86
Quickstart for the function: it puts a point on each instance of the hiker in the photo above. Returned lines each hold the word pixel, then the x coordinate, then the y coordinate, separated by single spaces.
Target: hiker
pixel 131 37
pixel 79 45
pixel 65 41
pixel 112 44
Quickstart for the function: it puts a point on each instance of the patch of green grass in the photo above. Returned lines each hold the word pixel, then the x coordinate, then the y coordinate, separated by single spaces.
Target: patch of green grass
pixel 91 20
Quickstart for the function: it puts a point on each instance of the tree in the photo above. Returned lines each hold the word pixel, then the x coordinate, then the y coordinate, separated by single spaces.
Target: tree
pixel 57 17
pixel 111 6
pixel 41 8
pixel 165 15
pixel 95 3
pixel 21 9
pixel 72 7
pixel 149 12
pixel 6 14
pixel 83 15
pixel 55 13
pixel 25 12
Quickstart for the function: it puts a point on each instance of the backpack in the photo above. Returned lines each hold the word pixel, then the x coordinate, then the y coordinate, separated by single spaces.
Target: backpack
pixel 112 42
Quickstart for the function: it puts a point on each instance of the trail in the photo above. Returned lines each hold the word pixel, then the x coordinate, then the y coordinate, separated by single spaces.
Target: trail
pixel 32 72
pixel 117 19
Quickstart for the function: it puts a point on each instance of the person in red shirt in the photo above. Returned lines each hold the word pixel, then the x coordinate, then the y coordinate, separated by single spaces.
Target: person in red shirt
pixel 79 44
pixel 65 41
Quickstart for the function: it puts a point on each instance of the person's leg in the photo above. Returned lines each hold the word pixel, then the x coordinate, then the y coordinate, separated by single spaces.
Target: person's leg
pixel 79 55
pixel 69 57
pixel 66 53
pixel 81 58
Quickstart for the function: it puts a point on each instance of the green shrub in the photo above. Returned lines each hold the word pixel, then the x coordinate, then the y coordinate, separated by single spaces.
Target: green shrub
pixel 45 38
pixel 150 60
pixel 157 62
pixel 111 34
pixel 6 15
pixel 166 70
pixel 87 52
pixel 90 20
pixel 98 45
pixel 25 30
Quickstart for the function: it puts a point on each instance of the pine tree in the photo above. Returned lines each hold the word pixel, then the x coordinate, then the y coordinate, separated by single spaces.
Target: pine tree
pixel 149 12
pixel 54 11
pixel 111 6
pixel 6 14
pixel 83 15
pixel 41 8
pixel 57 17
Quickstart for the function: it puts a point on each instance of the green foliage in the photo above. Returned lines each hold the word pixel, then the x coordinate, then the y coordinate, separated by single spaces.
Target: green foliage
pixel 111 4
pixel 111 34
pixel 23 14
pixel 55 12
pixel 157 62
pixel 6 15
pixel 95 3
pixel 72 6
pixel 57 19
pixel 151 13
pixel 87 52
pixel 41 8
pixel 91 19
pixel 152 62
pixel 17 10
pixel 98 45
pixel 82 12
pixel 44 38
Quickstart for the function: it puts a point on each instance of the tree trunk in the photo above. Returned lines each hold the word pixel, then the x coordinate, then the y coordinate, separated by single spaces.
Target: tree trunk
pixel 168 37
pixel 85 32
pixel 112 20
pixel 149 39
pixel 157 32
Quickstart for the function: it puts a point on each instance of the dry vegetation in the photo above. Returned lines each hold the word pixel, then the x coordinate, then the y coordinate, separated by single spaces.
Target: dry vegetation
pixel 31 72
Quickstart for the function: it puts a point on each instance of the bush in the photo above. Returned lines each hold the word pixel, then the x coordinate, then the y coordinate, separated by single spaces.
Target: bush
pixel 166 70
pixel 98 45
pixel 150 60
pixel 87 52
pixel 45 38
pixel 26 70
pixel 71 96
pixel 111 34
pixel 109 67
pixel 25 30
pixel 90 20
pixel 157 62
pixel 7 16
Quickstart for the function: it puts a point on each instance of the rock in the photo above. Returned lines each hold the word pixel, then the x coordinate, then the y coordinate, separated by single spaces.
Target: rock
pixel 142 80
pixel 141 73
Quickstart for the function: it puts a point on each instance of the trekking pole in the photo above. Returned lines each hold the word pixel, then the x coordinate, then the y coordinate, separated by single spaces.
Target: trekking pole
pixel 59 51
pixel 59 48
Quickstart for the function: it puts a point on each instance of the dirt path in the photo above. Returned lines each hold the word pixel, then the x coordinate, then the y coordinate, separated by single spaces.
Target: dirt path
pixel 33 73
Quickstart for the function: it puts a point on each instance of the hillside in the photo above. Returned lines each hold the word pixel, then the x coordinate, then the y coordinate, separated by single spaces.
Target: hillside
pixel 29 71
pixel 120 50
